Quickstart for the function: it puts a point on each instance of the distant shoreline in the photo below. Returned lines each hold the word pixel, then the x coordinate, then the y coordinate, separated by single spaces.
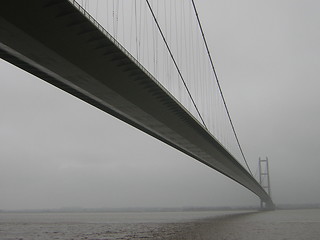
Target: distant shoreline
pixel 159 209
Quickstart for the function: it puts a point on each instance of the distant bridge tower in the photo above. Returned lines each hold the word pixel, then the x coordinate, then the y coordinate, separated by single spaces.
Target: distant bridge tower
pixel 264 179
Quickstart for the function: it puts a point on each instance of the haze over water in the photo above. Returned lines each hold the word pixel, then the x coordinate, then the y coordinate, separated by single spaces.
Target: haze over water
pixel 57 151
pixel 229 225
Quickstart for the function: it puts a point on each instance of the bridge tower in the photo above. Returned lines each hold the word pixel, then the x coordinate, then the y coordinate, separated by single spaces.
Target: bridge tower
pixel 264 180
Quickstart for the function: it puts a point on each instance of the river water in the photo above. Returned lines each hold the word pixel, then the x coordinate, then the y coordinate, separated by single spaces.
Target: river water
pixel 229 225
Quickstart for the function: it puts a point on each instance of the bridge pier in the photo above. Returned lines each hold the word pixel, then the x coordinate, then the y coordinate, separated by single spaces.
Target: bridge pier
pixel 267 206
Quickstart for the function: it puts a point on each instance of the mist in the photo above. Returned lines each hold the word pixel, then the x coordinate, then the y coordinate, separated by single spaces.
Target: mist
pixel 57 151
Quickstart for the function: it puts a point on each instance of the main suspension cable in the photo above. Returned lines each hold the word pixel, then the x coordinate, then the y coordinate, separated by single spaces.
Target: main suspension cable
pixel 220 90
pixel 175 63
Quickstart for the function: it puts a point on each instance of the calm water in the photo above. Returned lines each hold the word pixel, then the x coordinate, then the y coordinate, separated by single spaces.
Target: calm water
pixel 285 224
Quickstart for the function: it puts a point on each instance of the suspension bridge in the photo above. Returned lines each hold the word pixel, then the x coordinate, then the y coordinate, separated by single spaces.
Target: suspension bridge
pixel 145 62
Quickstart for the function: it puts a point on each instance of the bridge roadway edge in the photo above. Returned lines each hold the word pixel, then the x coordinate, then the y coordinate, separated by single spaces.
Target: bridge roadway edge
pixel 45 38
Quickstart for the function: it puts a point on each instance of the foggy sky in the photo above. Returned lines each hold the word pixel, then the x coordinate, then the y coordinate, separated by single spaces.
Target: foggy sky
pixel 57 151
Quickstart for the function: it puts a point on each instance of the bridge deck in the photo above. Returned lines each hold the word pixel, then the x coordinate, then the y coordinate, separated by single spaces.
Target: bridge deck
pixel 56 42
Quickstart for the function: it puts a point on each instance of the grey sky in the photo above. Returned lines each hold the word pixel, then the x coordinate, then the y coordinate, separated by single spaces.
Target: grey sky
pixel 57 151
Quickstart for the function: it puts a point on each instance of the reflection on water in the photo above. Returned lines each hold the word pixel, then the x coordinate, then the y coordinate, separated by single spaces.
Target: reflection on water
pixel 285 224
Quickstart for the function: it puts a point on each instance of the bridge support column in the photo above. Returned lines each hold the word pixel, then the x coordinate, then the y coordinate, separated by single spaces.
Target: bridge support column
pixel 264 180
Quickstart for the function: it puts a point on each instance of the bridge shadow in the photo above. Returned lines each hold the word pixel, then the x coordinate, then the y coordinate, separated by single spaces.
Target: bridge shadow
pixel 221 227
